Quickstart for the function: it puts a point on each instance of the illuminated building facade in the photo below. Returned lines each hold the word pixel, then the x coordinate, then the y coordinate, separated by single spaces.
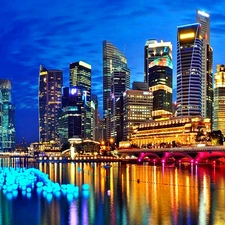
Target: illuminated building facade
pixel 119 121
pixel 80 75
pixel 182 130
pixel 189 70
pixel 50 102
pixel 114 64
pixel 113 60
pixel 94 117
pixel 117 88
pixel 219 99
pixel 7 117
pixel 207 64
pixel 137 109
pixel 158 76
pixel 72 117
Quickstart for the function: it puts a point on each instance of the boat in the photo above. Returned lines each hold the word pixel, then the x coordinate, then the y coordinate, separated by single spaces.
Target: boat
pixel 107 166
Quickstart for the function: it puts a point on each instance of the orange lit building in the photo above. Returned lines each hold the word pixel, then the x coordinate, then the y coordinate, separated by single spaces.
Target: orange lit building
pixel 182 130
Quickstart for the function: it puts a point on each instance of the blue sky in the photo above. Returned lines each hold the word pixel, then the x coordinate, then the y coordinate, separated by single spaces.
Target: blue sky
pixel 55 33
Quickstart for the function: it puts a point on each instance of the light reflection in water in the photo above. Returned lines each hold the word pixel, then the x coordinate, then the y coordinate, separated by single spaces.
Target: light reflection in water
pixel 124 194
pixel 73 215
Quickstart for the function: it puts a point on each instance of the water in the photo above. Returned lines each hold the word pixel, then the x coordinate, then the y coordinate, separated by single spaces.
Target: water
pixel 125 194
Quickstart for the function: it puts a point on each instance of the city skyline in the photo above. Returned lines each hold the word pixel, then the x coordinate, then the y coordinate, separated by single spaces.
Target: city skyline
pixel 54 34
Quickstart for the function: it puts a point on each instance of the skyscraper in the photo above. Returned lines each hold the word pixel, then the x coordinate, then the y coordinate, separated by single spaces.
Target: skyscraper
pixel 117 88
pixel 114 63
pixel 207 67
pixel 113 60
pixel 189 70
pixel 94 117
pixel 7 117
pixel 219 99
pixel 72 116
pixel 50 101
pixel 137 108
pixel 158 75
pixel 80 75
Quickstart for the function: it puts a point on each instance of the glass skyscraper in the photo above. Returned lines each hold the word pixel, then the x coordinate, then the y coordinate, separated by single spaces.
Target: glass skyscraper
pixel 189 70
pixel 207 65
pixel 114 63
pixel 72 116
pixel 113 60
pixel 94 117
pixel 7 117
pixel 117 88
pixel 219 99
pixel 80 75
pixel 158 75
pixel 50 102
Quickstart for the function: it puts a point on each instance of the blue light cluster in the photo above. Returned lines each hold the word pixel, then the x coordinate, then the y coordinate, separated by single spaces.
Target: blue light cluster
pixel 26 181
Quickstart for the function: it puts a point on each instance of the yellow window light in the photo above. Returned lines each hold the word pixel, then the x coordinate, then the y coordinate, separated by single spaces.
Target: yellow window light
pixel 43 73
pixel 187 35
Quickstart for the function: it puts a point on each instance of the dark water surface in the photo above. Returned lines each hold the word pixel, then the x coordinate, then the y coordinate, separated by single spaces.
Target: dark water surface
pixel 126 194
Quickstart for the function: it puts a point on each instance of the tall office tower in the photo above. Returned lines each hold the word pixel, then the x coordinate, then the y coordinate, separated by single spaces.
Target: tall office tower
pixel 50 102
pixel 117 88
pixel 94 117
pixel 113 60
pixel 119 122
pixel 7 117
pixel 72 116
pixel 101 130
pixel 158 75
pixel 80 75
pixel 189 70
pixel 219 99
pixel 207 65
pixel 137 109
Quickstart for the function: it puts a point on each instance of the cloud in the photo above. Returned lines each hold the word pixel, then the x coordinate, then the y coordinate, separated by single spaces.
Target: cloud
pixel 55 33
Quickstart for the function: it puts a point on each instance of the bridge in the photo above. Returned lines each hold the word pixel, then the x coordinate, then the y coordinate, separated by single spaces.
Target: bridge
pixel 177 154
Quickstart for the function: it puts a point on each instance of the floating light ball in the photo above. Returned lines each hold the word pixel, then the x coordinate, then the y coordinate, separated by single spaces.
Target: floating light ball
pixel 85 187
pixel 28 189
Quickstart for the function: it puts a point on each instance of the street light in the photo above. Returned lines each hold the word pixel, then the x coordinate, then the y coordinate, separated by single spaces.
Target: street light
pixel 110 141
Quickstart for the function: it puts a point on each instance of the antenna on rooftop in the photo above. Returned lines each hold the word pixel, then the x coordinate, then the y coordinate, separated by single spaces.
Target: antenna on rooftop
pixel 124 48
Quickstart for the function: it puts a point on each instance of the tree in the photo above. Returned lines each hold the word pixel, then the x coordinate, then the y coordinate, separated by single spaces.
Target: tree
pixel 217 137
pixel 65 146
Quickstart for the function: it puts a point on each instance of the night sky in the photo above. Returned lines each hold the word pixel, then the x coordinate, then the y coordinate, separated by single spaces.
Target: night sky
pixel 55 33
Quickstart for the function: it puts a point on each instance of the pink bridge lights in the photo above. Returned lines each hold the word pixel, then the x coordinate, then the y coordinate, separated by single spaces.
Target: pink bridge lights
pixel 183 154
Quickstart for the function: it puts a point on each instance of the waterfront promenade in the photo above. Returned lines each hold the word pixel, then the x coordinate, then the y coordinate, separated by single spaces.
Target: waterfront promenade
pixel 161 155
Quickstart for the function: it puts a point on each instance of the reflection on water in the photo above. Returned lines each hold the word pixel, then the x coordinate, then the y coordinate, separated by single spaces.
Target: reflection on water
pixel 124 194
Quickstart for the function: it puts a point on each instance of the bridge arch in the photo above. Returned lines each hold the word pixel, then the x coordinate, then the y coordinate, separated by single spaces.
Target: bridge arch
pixel 193 154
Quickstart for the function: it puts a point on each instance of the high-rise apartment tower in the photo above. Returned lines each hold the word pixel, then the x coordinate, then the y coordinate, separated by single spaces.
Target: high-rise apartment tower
pixel 50 101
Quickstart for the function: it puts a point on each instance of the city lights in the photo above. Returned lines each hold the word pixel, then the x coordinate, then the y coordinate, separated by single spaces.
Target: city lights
pixel 187 35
